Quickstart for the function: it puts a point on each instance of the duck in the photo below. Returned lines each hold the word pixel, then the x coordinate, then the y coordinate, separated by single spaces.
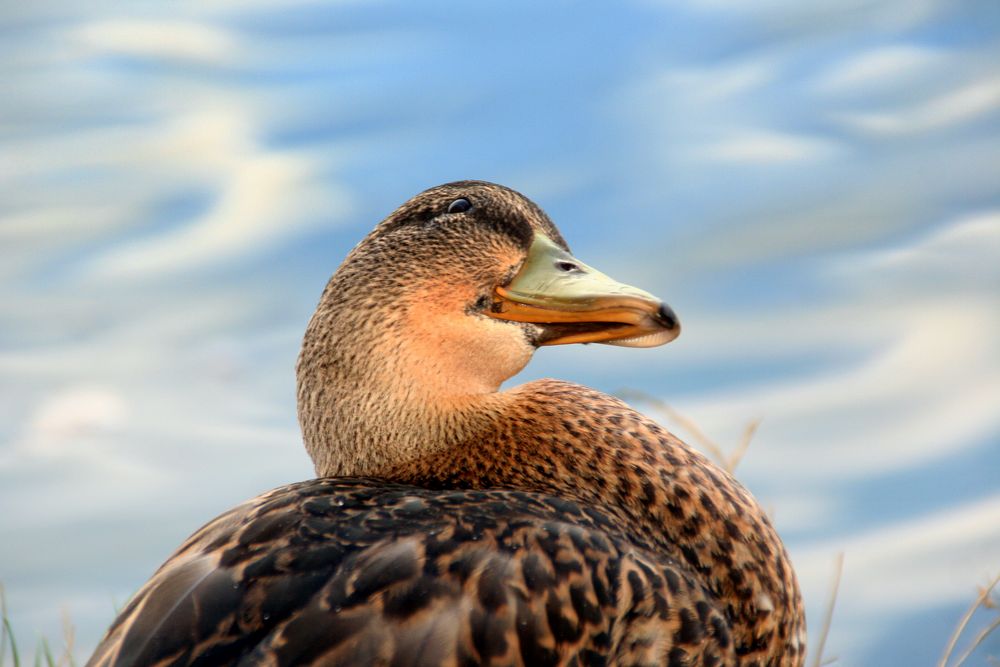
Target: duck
pixel 453 522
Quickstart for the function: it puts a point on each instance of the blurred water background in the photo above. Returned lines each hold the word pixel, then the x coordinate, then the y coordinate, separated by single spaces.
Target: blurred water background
pixel 814 187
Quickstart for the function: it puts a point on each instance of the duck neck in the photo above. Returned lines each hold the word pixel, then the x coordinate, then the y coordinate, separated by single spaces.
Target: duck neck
pixel 398 399
pixel 350 431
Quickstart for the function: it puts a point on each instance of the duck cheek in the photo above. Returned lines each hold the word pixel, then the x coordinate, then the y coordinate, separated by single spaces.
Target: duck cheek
pixel 490 352
pixel 510 347
pixel 462 353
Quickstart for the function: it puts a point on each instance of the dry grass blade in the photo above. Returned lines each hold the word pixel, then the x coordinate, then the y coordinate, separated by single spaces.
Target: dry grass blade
pixel 44 652
pixel 982 600
pixel 831 603
pixel 728 462
pixel 983 634
pixel 741 449
pixel 69 641
pixel 687 424
pixel 3 626
pixel 7 633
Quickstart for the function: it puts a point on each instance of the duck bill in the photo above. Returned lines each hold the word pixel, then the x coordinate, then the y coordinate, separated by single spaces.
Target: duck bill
pixel 571 302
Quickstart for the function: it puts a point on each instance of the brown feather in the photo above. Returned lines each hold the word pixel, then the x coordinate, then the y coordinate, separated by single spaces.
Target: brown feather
pixel 456 524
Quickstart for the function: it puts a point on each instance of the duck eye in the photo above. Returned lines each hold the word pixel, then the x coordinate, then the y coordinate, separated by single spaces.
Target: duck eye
pixel 459 206
pixel 569 267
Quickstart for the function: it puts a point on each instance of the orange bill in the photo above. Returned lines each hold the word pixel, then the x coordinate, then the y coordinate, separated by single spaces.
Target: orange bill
pixel 575 303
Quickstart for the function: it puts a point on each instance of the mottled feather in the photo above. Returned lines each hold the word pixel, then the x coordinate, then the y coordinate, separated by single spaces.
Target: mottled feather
pixel 359 571
pixel 457 524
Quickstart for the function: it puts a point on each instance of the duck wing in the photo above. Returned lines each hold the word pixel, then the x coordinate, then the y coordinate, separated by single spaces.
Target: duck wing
pixel 343 571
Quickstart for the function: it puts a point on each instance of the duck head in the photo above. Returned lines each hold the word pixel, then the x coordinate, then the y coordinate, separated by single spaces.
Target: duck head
pixel 443 301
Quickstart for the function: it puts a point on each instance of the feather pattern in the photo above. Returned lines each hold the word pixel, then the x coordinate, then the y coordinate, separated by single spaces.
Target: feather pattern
pixel 364 572
pixel 455 524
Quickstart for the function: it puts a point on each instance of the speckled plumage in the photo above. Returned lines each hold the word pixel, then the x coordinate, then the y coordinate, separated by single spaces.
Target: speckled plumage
pixel 548 524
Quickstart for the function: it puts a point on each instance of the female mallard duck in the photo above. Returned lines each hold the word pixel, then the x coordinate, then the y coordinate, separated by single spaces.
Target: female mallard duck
pixel 456 524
